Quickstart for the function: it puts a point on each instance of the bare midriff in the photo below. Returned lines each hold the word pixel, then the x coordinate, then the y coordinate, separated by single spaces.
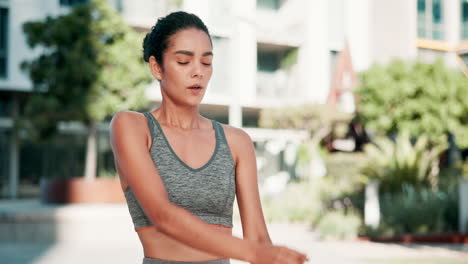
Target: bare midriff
pixel 161 246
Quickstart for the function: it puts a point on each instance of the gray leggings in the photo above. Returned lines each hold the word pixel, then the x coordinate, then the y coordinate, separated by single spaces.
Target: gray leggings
pixel 161 261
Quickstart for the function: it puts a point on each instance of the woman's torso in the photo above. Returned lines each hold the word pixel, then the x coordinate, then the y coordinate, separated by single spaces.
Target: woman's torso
pixel 196 149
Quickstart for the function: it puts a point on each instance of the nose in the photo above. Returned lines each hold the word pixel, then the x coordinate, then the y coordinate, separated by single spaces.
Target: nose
pixel 197 71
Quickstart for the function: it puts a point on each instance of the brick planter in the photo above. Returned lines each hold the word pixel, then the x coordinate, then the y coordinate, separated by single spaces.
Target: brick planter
pixel 81 190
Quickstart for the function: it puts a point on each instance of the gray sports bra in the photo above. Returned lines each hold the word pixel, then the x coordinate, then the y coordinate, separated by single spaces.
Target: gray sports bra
pixel 208 192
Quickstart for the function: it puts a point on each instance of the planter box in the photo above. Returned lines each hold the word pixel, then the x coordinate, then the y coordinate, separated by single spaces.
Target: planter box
pixel 81 190
pixel 453 238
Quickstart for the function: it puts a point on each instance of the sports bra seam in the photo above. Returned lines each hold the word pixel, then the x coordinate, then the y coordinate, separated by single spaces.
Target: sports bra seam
pixel 224 139
pixel 151 128
pixel 221 216
pixel 231 183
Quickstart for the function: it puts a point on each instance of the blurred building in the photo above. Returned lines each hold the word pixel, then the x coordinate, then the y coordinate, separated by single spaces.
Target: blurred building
pixel 268 53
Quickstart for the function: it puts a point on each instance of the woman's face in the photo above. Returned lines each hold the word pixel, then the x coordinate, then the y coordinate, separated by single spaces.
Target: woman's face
pixel 187 67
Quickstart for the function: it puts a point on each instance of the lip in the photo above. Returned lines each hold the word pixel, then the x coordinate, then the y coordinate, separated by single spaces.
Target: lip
pixel 195 85
pixel 195 91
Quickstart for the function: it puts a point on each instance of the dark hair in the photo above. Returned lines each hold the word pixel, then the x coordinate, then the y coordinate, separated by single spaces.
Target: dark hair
pixel 156 41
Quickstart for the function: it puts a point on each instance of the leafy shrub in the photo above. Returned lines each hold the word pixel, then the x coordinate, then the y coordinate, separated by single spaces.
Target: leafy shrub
pixel 420 211
pixel 343 174
pixel 299 203
pixel 339 225
pixel 417 211
pixel 399 162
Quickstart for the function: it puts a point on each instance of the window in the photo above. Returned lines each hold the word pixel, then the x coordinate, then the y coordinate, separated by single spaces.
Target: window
pixel 464 57
pixel 422 18
pixel 6 105
pixel 268 61
pixel 3 42
pixel 72 2
pixel 273 58
pixel 464 19
pixel 430 19
pixel 437 30
pixel 273 70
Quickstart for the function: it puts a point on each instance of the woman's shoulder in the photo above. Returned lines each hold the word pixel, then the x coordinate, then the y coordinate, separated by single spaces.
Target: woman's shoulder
pixel 127 116
pixel 128 119
pixel 233 131
pixel 237 135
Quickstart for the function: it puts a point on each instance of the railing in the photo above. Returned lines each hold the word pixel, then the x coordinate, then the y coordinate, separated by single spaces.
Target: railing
pixel 272 84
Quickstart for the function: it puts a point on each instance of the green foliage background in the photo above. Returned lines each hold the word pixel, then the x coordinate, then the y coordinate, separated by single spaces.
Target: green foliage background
pixel 90 67
pixel 417 97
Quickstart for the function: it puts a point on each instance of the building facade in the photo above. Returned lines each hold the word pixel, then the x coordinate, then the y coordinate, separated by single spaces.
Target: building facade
pixel 268 53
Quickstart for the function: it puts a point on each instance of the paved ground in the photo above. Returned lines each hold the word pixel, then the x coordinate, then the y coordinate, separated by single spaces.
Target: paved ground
pixel 122 246
pixel 295 236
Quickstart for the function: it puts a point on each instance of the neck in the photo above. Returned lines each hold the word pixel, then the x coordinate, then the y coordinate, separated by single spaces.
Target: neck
pixel 174 115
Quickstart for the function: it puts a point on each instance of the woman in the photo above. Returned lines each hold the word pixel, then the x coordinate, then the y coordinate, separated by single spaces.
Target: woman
pixel 180 171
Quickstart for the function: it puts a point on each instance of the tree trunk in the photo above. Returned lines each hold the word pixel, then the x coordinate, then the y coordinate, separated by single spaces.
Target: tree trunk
pixel 91 153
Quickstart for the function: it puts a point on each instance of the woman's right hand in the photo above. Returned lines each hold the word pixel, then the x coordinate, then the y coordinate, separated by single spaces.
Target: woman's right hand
pixel 270 254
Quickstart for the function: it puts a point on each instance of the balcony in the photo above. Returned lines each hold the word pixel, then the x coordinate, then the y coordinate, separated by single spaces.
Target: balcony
pixel 279 22
pixel 272 85
pixel 276 67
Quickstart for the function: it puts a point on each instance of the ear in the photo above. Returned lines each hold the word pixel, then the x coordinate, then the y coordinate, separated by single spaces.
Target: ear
pixel 156 69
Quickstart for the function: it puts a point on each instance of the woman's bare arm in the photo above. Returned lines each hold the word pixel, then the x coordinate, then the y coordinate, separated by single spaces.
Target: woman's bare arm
pixel 248 198
pixel 128 139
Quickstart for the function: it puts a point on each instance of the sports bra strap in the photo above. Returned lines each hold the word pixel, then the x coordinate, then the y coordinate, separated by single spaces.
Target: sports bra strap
pixel 220 131
pixel 151 123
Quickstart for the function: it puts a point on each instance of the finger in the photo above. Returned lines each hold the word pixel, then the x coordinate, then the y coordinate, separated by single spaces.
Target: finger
pixel 295 257
pixel 287 256
pixel 302 258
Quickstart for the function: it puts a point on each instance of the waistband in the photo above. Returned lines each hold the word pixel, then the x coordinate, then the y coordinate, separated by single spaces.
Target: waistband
pixel 147 260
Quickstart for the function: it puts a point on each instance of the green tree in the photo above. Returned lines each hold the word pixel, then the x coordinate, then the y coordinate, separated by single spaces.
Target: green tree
pixel 90 67
pixel 417 97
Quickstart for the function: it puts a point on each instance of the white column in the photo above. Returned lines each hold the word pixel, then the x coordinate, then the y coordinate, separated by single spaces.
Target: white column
pixel 389 37
pixel 463 205
pixel 452 27
pixel 358 32
pixel 201 8
pixel 235 115
pixel 243 49
pixel 372 206
pixel 314 53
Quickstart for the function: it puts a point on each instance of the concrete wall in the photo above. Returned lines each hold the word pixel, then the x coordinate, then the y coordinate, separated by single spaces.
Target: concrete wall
pixel 21 11
pixel 393 28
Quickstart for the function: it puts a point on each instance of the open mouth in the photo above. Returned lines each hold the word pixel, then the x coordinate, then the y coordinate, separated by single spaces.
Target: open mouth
pixel 195 87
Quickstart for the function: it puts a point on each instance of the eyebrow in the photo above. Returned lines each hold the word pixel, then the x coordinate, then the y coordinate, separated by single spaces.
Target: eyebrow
pixel 189 53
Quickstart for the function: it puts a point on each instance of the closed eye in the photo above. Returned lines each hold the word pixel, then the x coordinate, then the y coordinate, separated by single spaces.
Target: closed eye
pixel 182 62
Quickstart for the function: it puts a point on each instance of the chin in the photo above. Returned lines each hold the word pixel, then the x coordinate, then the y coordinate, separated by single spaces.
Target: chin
pixel 193 103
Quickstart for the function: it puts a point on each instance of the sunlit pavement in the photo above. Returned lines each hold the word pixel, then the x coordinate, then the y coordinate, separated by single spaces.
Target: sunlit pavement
pixel 122 244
